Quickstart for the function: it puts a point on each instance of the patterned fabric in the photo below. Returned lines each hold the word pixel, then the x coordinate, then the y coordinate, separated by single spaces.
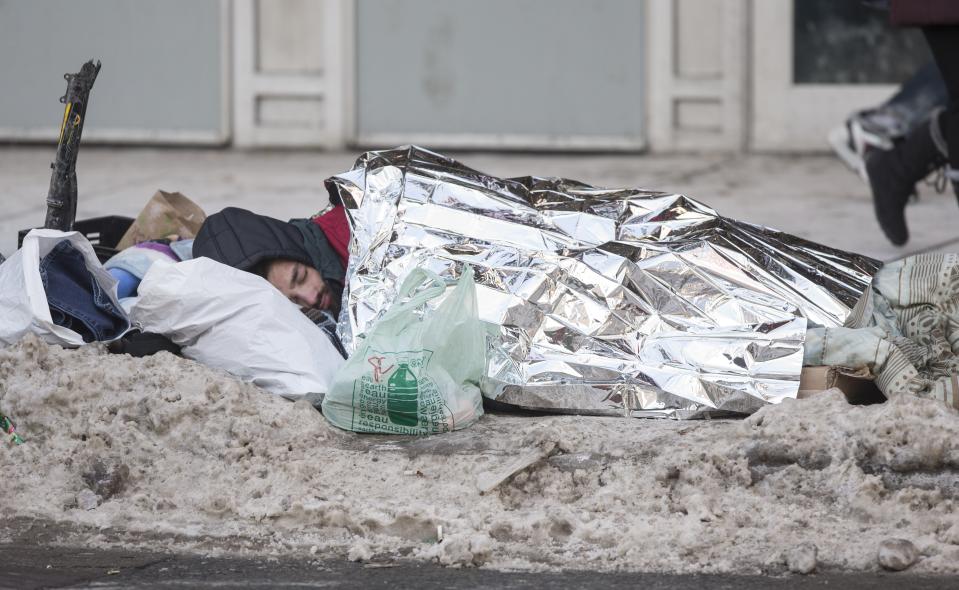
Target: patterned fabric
pixel 327 323
pixel 904 329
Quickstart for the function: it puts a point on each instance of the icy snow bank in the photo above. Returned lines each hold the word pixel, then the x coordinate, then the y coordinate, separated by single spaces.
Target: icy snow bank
pixel 167 445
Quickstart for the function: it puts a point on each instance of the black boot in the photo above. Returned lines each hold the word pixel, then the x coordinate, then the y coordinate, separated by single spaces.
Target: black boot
pixel 893 175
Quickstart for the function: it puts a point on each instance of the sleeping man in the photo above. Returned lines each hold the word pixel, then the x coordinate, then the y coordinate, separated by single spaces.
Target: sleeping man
pixel 304 258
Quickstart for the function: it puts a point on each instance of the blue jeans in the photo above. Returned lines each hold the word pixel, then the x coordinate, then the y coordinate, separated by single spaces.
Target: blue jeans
pixel 76 300
pixel 910 106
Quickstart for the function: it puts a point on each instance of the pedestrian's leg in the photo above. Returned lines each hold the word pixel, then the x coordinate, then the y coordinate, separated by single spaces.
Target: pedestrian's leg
pixel 944 43
pixel 911 105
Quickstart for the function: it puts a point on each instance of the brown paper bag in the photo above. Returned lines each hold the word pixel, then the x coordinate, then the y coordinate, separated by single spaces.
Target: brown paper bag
pixel 164 214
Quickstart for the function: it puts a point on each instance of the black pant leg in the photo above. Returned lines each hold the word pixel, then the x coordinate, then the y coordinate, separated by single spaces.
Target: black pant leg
pixel 944 44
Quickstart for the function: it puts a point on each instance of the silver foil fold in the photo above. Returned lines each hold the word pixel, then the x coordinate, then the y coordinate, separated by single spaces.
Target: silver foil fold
pixel 599 301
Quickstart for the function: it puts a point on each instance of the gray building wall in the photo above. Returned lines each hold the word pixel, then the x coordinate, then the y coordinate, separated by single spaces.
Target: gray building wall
pixel 689 75
pixel 163 74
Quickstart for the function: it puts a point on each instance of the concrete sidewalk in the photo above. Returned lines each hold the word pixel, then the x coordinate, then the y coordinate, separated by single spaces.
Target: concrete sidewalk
pixel 27 566
pixel 811 196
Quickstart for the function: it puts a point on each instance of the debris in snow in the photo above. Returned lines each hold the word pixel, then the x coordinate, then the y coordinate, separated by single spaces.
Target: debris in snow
pixel 87 499
pixel 462 550
pixel 488 481
pixel 105 478
pixel 360 551
pixel 802 559
pixel 897 554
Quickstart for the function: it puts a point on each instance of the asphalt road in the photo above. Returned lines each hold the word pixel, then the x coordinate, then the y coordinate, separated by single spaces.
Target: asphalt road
pixel 23 567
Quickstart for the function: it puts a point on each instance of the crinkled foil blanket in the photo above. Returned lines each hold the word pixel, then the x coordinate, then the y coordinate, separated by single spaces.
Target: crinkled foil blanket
pixel 600 301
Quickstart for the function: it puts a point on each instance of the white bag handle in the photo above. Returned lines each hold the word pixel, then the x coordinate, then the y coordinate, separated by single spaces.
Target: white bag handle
pixel 418 277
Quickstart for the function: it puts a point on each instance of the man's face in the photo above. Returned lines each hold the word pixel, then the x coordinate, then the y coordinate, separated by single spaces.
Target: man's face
pixel 301 283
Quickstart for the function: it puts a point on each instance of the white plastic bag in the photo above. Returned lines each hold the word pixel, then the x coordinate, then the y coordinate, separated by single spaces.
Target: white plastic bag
pixel 236 321
pixel 23 301
pixel 415 373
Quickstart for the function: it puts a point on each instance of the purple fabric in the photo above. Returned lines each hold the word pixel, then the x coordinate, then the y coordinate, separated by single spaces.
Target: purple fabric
pixel 924 12
pixel 162 248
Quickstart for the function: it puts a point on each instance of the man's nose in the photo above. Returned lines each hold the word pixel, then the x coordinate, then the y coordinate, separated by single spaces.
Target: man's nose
pixel 309 297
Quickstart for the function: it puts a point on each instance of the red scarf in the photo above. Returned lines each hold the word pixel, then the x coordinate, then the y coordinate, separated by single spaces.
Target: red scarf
pixel 337 231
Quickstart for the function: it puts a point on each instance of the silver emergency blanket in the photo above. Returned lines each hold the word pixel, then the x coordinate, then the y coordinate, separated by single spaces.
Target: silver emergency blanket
pixel 600 301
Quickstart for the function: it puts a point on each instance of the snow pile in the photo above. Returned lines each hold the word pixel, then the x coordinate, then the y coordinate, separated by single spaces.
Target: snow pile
pixel 164 445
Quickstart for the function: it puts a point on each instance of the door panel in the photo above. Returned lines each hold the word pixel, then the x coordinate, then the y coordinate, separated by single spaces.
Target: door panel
pixel 500 73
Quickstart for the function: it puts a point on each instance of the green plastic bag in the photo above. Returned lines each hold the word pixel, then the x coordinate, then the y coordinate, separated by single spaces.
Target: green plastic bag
pixel 415 373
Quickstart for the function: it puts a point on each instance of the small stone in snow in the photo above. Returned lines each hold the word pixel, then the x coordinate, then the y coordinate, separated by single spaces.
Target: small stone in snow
pixel 87 500
pixel 105 478
pixel 897 554
pixel 360 551
pixel 802 559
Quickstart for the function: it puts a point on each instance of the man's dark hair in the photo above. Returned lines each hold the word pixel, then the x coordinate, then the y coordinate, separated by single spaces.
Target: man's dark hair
pixel 262 267
pixel 242 239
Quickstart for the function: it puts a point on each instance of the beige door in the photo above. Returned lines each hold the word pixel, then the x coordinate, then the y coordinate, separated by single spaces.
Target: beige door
pixel 814 62
pixel 291 72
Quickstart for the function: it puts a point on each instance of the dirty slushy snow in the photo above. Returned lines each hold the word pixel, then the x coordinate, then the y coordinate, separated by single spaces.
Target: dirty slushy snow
pixel 163 445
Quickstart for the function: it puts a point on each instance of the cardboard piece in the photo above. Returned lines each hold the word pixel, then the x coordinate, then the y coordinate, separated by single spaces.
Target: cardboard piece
pixel 856 384
pixel 165 214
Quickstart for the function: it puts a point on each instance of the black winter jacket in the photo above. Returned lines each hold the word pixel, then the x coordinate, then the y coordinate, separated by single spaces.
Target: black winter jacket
pixel 242 239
